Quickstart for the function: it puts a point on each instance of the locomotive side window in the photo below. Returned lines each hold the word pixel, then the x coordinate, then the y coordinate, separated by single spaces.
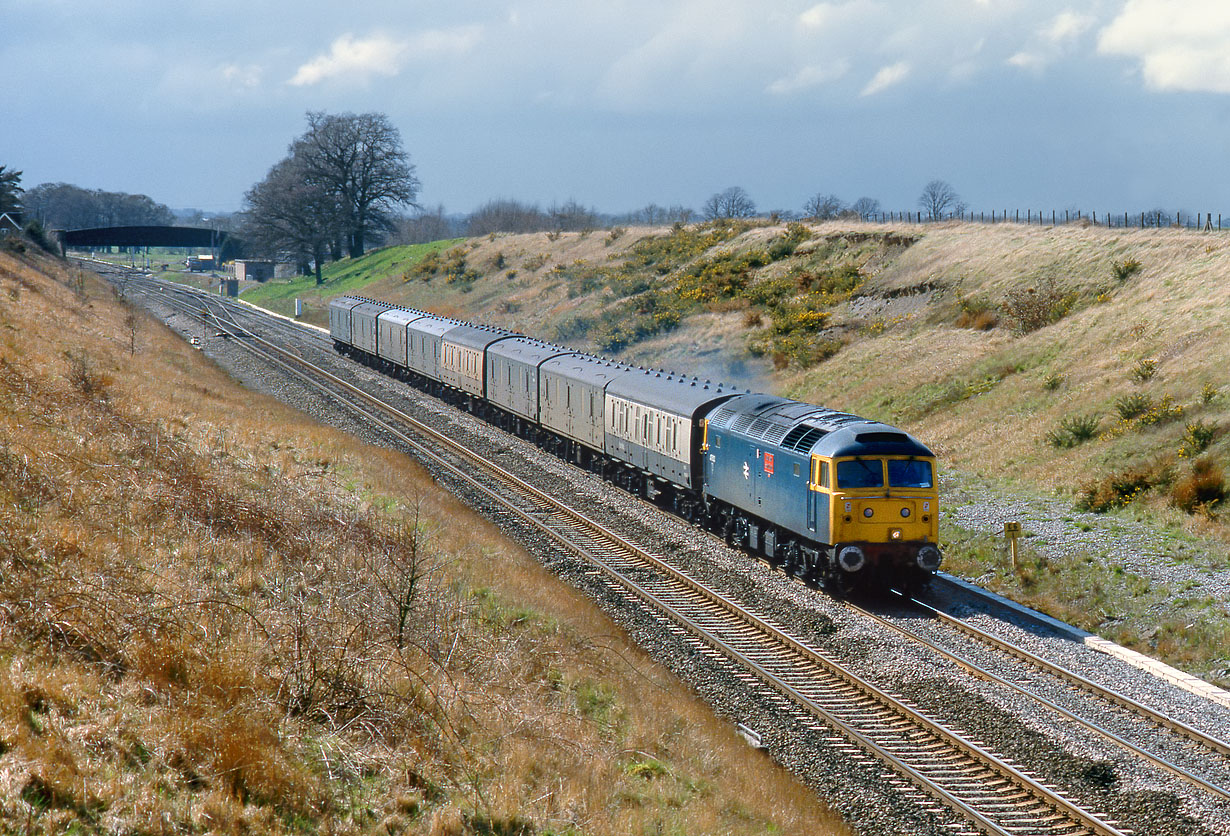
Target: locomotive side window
pixel 860 473
pixel 908 473
pixel 819 472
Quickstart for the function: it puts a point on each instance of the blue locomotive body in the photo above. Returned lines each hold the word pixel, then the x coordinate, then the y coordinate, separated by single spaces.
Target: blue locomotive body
pixel 829 496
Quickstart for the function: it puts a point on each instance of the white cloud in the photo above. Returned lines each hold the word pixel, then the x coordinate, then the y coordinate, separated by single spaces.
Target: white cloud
pixel 378 55
pixel 1181 46
pixel 246 76
pixel 1067 26
pixel 887 77
pixel 1052 41
pixel 1029 60
pixel 813 75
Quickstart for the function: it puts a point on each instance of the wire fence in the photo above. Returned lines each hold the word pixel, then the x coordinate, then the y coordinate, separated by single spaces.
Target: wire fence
pixel 1156 219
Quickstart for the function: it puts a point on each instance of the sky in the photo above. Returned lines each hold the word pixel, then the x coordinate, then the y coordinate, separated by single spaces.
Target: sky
pixel 1106 105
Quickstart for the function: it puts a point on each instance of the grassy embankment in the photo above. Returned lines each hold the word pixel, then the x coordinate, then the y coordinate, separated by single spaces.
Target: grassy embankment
pixel 1078 362
pixel 219 616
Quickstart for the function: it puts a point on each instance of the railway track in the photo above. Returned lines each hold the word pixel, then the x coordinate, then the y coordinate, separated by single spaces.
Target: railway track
pixel 926 760
pixel 984 789
pixel 1209 746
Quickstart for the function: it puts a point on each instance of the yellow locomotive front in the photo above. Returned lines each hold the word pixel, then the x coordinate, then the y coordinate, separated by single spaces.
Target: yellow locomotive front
pixel 883 516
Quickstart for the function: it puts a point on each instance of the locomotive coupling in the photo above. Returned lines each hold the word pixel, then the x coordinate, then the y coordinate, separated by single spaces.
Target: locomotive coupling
pixel 851 559
pixel 928 558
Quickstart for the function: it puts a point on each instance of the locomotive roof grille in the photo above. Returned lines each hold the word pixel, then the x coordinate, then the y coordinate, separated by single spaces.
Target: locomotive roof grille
pixel 882 437
pixel 801 438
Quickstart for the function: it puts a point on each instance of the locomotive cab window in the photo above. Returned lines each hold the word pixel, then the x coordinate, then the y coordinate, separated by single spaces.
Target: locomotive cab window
pixel 860 473
pixel 909 473
pixel 819 472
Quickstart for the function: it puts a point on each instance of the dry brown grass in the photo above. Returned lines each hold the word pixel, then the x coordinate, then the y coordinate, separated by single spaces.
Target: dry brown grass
pixel 218 616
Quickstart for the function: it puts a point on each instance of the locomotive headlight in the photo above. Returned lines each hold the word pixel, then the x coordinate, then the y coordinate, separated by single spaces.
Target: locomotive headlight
pixel 867 512
pixel 905 512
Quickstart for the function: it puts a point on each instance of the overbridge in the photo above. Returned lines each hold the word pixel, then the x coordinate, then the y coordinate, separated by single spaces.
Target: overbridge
pixel 223 245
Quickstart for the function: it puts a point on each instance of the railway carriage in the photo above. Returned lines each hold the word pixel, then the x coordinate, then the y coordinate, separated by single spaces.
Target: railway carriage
pixel 364 334
pixel 425 346
pixel 391 339
pixel 653 426
pixel 339 321
pixel 572 403
pixel 512 377
pixel 463 357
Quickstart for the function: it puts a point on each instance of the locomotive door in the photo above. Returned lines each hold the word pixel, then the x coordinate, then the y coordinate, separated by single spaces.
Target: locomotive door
pixel 813 494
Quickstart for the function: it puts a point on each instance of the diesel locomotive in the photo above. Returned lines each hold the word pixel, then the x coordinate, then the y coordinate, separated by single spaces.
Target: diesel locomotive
pixel 829 497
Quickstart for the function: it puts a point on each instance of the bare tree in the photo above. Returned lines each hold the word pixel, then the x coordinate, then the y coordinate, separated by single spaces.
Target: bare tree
pixel 359 159
pixel 65 206
pixel 290 213
pixel 732 203
pixel 503 215
pixel 939 197
pixel 865 207
pixel 572 217
pixel 823 207
pixel 654 215
pixel 428 225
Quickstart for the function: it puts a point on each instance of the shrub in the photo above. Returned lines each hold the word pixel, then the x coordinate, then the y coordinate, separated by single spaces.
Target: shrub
pixel 1125 269
pixel 1144 370
pixel 1164 411
pixel 1208 394
pixel 978 314
pixel 86 379
pixel 1133 406
pixel 752 319
pixel 1197 436
pixel 1074 430
pixel 1204 488
pixel 1031 308
pixel 1053 381
pixel 785 245
pixel 35 232
pixel 614 235
pixel 1119 489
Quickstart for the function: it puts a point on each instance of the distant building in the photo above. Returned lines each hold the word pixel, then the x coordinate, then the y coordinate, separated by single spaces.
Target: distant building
pixel 252 270
pixel 9 223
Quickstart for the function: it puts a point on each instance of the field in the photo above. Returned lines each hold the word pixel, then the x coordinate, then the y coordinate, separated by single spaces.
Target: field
pixel 218 616
pixel 1076 363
